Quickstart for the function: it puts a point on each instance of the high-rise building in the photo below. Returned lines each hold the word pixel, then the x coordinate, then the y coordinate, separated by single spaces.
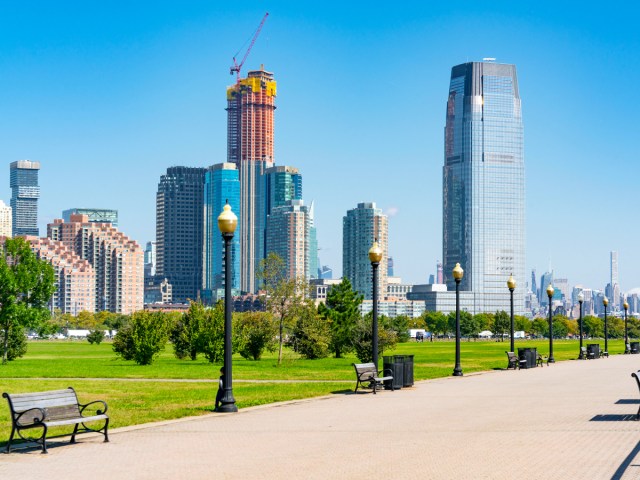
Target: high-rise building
pixel 96 215
pixel 283 184
pixel 614 267
pixel 313 244
pixel 250 145
pixel 179 230
pixel 534 284
pixel 390 267
pixel 118 261
pixel 360 228
pixel 150 260
pixel 483 184
pixel 288 237
pixel 545 280
pixel 325 273
pixel 440 273
pixel 221 185
pixel 24 197
pixel 5 220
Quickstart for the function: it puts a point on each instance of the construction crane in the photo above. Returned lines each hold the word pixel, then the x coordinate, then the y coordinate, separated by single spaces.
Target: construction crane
pixel 238 66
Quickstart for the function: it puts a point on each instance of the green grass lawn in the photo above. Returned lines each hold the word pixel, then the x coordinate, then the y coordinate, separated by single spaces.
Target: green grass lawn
pixel 58 364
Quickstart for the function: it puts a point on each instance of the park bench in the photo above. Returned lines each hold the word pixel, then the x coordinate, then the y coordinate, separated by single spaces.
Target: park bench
pixel 540 360
pixel 586 354
pixel 368 373
pixel 52 409
pixel 514 361
pixel 634 375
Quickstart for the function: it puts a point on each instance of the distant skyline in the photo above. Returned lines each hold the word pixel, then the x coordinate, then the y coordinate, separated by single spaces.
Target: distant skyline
pixel 107 97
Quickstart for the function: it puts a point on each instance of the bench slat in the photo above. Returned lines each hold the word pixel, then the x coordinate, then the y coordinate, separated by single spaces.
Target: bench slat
pixel 71 421
pixel 57 402
pixel 53 393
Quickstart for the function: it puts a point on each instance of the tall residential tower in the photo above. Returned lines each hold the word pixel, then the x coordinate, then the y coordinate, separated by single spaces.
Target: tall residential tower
pixel 483 184
pixel 24 198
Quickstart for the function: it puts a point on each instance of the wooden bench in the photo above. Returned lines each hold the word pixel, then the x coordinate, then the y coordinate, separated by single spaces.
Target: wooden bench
pixel 586 354
pixel 52 409
pixel 514 361
pixel 367 373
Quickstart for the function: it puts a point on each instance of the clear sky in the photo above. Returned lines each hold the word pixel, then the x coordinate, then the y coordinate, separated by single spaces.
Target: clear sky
pixel 107 95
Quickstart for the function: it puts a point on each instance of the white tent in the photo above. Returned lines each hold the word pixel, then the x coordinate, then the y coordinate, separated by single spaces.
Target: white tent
pixel 485 334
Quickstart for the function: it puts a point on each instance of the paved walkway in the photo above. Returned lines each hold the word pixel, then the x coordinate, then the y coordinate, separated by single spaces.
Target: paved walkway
pixel 572 420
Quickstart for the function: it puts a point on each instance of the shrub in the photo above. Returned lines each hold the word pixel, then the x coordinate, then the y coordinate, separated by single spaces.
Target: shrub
pixel 143 339
pixel 186 335
pixel 362 339
pixel 312 336
pixel 254 332
pixel 211 340
pixel 95 336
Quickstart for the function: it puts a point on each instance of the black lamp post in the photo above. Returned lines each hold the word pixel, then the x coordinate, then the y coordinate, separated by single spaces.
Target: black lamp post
pixel 580 300
pixel 550 292
pixel 457 276
pixel 605 302
pixel 511 284
pixel 626 330
pixel 227 222
pixel 375 256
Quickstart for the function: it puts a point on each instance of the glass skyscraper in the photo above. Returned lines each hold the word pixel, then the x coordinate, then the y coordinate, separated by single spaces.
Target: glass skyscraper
pixel 23 181
pixel 221 184
pixel 483 184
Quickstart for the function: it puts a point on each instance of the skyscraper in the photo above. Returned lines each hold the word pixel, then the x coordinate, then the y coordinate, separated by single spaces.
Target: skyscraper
pixel 360 228
pixel 221 184
pixel 24 197
pixel 283 184
pixel 5 220
pixel 250 143
pixel 179 230
pixel 96 215
pixel 483 184
pixel 614 267
pixel 313 244
pixel 288 237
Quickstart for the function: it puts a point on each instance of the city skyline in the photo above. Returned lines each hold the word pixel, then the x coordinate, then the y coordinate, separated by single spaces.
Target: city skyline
pixel 142 94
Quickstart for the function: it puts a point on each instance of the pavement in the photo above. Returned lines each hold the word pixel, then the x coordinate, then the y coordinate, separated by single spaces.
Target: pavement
pixel 570 420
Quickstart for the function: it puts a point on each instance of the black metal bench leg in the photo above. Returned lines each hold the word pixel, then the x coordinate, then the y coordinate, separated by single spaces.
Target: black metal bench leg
pixel 73 435
pixel 13 431
pixel 638 414
pixel 44 440
pixel 106 430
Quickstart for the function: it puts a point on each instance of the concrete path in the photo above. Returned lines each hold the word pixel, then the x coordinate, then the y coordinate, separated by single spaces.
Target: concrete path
pixel 572 420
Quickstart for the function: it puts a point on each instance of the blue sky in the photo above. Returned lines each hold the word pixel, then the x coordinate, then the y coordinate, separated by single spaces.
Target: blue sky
pixel 108 95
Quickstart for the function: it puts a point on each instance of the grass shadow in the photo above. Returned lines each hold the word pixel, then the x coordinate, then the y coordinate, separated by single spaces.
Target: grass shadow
pixel 612 417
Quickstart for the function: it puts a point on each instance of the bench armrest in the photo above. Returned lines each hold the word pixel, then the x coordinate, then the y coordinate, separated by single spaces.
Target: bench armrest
pixel 98 411
pixel 39 418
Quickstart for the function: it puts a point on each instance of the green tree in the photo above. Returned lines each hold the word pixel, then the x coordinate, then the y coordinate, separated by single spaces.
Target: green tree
pixel 539 326
pixel 341 310
pixel 522 323
pixel 468 325
pixel 212 337
pixel 254 332
pixel 143 338
pixel 485 321
pixel 501 324
pixel 26 286
pixel 363 337
pixel 186 334
pixel 95 336
pixel 592 326
pixel 400 325
pixel 437 322
pixel 312 335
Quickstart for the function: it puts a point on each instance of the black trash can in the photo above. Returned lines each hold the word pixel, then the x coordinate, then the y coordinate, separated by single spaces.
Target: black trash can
pixel 635 347
pixel 408 371
pixel 530 355
pixel 593 350
pixel 392 367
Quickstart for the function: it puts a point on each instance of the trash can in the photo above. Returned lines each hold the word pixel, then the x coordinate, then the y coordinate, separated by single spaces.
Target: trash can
pixel 408 371
pixel 635 347
pixel 593 350
pixel 530 355
pixel 391 366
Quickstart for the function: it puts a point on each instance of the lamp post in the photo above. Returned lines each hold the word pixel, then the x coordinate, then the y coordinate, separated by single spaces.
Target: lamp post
pixel 457 276
pixel 511 284
pixel 580 300
pixel 375 256
pixel 626 330
pixel 227 222
pixel 550 291
pixel 605 302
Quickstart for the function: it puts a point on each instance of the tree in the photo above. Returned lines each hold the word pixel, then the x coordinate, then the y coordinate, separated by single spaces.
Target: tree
pixel 254 332
pixel 398 324
pixel 539 326
pixel 143 338
pixel 485 321
pixel 363 337
pixel 341 310
pixel 522 323
pixel 312 335
pixel 501 323
pixel 95 336
pixel 186 334
pixel 468 325
pixel 211 341
pixel 26 286
pixel 437 322
pixel 592 326
pixel 284 296
pixel 86 320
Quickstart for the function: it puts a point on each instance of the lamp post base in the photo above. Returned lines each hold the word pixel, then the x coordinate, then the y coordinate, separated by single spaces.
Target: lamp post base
pixel 551 360
pixel 227 403
pixel 457 371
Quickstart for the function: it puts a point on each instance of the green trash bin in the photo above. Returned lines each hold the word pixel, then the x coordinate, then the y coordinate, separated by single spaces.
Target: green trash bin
pixel 407 370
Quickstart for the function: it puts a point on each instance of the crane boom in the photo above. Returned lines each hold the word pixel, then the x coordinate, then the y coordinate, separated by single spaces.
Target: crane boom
pixel 238 66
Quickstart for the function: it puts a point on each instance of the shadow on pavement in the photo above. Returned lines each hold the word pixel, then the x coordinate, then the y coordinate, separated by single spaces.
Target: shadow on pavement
pixel 346 391
pixel 626 463
pixel 628 401
pixel 611 417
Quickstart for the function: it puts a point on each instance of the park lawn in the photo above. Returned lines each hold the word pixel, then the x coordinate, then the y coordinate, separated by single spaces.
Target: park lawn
pixel 59 364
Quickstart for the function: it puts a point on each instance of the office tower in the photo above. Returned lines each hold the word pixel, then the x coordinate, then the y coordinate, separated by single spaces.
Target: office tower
pixel 440 274
pixel 432 279
pixel 545 281
pixel 24 197
pixel 250 142
pixel 390 267
pixel 283 184
pixel 614 267
pixel 118 261
pixel 96 215
pixel 313 243
pixel 360 228
pixel 534 284
pixel 483 184
pixel 325 273
pixel 179 230
pixel 150 260
pixel 288 237
pixel 75 278
pixel 221 184
pixel 5 220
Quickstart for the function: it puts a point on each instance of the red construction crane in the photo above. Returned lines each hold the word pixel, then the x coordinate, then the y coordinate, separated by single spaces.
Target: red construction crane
pixel 238 66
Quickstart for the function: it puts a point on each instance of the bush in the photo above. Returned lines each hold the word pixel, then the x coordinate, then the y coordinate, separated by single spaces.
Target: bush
pixel 143 339
pixel 253 333
pixel 95 336
pixel 211 340
pixel 186 335
pixel 362 339
pixel 17 345
pixel 312 336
